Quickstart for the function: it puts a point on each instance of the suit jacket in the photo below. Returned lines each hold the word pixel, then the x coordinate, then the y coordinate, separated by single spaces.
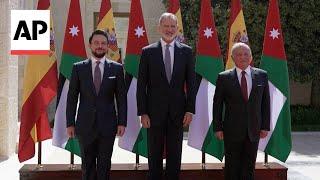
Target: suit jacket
pixel 156 96
pixel 96 112
pixel 240 117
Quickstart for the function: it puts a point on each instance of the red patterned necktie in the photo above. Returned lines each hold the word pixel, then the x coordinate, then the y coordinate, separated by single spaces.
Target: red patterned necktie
pixel 244 88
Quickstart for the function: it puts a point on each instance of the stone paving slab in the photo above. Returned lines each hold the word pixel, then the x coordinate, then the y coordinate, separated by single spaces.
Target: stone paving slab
pixel 303 162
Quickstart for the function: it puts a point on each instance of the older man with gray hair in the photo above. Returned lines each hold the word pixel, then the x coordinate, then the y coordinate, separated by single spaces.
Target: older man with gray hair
pixel 165 108
pixel 244 92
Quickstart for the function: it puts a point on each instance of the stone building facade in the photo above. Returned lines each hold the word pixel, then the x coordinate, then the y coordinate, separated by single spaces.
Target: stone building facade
pixel 8 82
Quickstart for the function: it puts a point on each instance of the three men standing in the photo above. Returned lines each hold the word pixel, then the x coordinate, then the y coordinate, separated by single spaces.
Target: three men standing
pixel 166 103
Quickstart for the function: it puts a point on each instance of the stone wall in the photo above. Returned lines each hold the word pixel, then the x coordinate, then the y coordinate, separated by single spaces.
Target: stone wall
pixel 8 83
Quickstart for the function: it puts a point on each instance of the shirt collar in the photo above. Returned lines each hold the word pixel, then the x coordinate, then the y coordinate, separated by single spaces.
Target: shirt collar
pixel 102 61
pixel 247 70
pixel 163 43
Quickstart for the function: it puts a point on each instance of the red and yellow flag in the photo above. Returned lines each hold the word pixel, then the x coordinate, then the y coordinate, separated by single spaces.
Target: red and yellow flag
pixel 40 86
pixel 106 23
pixel 174 8
pixel 237 30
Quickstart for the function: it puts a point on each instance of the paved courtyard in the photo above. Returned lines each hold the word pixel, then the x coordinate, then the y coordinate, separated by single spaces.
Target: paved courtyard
pixel 303 162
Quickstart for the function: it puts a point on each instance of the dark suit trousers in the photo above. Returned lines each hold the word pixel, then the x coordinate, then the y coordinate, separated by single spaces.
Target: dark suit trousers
pixel 96 158
pixel 240 159
pixel 169 136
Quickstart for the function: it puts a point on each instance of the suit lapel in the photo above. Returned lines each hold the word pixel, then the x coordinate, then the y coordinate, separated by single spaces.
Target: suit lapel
pixel 236 83
pixel 177 60
pixel 160 61
pixel 235 79
pixel 106 74
pixel 254 82
pixel 89 72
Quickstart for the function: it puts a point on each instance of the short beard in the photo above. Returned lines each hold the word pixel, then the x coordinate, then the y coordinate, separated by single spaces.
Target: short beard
pixel 98 55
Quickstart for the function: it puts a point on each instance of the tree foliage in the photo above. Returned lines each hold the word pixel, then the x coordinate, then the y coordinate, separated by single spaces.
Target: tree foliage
pixel 300 25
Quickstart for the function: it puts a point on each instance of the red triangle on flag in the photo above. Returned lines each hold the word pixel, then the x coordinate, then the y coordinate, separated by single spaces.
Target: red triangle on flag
pixel 137 34
pixel 208 43
pixel 273 45
pixel 74 31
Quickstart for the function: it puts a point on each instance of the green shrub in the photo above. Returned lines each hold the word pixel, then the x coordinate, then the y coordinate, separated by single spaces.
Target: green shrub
pixel 300 25
pixel 305 118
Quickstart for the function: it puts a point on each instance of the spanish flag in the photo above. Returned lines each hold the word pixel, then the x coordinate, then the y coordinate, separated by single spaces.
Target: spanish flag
pixel 237 30
pixel 174 8
pixel 40 86
pixel 106 23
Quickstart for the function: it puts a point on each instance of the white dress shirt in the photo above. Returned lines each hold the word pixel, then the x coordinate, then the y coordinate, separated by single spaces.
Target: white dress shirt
pixel 171 49
pixel 248 78
pixel 101 66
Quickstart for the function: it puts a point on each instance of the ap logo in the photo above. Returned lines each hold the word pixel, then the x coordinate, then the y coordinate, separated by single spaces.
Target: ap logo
pixel 30 32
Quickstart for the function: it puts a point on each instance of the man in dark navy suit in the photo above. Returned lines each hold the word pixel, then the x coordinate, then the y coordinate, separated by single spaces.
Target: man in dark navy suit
pixel 244 91
pixel 163 104
pixel 98 82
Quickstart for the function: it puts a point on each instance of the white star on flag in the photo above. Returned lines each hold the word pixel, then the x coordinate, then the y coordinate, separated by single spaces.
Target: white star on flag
pixel 74 30
pixel 208 32
pixel 274 33
pixel 139 31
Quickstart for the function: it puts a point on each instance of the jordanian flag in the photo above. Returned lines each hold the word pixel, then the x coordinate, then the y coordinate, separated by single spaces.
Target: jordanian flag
pixel 106 23
pixel 73 51
pixel 174 8
pixel 237 31
pixel 208 65
pixel 274 61
pixel 39 88
pixel 135 137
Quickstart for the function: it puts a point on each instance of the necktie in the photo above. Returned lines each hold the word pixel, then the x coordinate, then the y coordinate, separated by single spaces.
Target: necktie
pixel 97 77
pixel 167 62
pixel 244 88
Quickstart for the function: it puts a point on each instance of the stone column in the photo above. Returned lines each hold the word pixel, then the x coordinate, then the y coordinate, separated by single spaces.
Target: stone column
pixel 152 10
pixel 8 83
